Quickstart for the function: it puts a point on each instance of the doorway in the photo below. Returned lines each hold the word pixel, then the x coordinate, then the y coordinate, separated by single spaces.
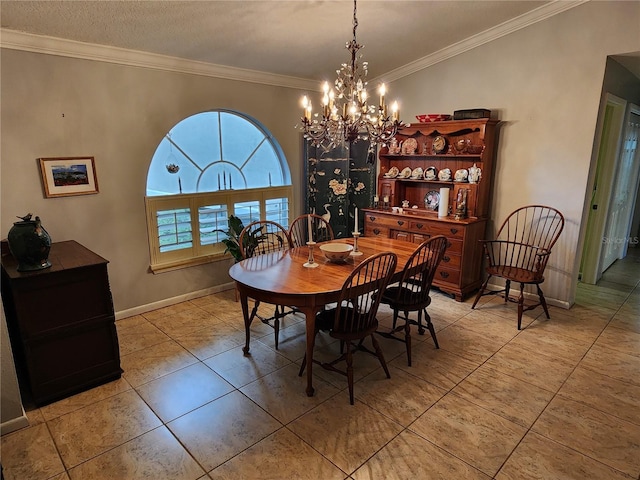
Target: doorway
pixel 615 189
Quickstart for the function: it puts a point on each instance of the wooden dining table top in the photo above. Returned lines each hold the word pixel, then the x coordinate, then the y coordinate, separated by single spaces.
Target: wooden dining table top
pixel 283 273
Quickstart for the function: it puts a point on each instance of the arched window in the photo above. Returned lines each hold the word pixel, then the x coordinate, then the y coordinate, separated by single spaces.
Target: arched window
pixel 207 167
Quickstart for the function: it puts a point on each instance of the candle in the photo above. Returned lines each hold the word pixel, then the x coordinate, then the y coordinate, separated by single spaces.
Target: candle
pixel 376 198
pixel 309 227
pixel 443 205
pixel 395 111
pixel 355 228
pixel 385 199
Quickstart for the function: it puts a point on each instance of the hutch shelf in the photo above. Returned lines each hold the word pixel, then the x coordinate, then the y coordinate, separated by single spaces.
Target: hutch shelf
pixel 454 145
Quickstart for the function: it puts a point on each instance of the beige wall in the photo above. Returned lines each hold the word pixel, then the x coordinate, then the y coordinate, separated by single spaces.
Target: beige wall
pixel 543 81
pixel 54 106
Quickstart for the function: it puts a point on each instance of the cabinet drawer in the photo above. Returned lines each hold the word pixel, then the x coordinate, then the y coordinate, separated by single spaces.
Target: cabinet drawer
pixel 433 228
pixel 62 300
pixel 446 275
pixel 376 231
pixel 72 362
pixel 451 261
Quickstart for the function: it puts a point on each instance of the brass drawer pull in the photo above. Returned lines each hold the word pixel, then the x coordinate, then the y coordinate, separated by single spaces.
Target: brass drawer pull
pixel 372 218
pixel 454 231
pixel 446 259
pixel 419 225
pixel 400 222
pixel 376 231
pixel 444 274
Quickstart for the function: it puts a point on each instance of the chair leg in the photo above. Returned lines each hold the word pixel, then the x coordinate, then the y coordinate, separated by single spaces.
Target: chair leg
pixel 276 323
pixel 407 339
pixel 543 302
pixel 380 356
pixel 520 305
pixel 395 319
pixel 350 372
pixel 430 327
pixel 480 292
pixel 507 288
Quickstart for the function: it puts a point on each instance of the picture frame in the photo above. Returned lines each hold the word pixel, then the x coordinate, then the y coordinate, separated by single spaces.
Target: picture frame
pixel 66 176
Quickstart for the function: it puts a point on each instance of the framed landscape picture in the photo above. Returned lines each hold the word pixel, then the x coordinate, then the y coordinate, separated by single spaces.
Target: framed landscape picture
pixel 65 176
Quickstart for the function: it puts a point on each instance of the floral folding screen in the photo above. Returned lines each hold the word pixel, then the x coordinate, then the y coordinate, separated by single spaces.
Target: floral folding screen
pixel 339 180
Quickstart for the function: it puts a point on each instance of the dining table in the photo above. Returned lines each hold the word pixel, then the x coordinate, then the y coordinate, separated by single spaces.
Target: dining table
pixel 281 278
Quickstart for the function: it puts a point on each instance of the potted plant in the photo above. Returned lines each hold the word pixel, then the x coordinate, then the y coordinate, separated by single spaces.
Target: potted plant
pixel 232 242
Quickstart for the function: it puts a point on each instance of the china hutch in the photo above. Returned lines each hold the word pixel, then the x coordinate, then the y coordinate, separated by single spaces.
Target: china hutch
pixel 423 159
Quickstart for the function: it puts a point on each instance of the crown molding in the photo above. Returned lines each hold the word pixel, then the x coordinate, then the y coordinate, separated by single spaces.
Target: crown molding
pixel 513 25
pixel 15 40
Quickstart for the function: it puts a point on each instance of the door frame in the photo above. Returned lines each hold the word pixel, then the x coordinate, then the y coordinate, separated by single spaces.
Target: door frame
pixel 608 143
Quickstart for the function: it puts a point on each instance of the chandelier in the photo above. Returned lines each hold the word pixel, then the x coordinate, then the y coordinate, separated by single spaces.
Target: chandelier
pixel 346 114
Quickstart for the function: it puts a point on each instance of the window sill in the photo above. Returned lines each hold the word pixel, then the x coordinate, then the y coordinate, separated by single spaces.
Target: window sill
pixel 188 262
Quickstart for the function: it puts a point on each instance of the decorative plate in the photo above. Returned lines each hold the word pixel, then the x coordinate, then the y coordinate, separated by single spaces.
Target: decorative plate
pixel 444 175
pixel 405 173
pixel 417 173
pixel 461 175
pixel 431 173
pixel 409 146
pixel 432 200
pixel 439 144
pixel 392 173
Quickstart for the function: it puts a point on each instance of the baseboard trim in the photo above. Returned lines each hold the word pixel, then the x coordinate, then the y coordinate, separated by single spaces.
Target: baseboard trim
pixel 532 297
pixel 14 424
pixel 130 312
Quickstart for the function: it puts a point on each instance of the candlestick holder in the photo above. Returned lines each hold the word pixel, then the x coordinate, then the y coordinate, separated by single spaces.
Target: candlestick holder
pixel 355 252
pixel 310 262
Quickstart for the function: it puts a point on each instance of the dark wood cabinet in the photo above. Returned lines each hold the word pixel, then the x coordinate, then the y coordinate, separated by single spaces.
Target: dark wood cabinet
pixel 61 323
pixel 456 145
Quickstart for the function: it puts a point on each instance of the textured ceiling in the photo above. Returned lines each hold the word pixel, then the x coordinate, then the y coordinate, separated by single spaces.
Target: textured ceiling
pixel 303 38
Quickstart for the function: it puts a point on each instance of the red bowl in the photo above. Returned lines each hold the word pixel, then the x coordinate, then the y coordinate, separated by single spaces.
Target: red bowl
pixel 433 117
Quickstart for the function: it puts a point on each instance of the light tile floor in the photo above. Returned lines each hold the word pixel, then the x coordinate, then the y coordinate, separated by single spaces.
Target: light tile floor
pixel 558 399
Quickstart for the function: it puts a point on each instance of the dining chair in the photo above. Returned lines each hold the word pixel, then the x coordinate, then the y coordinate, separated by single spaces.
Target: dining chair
pixel 520 253
pixel 258 238
pixel 411 293
pixel 354 316
pixel 299 229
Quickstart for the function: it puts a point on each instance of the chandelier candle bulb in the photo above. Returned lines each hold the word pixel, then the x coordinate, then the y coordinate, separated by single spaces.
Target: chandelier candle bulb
pixel 382 92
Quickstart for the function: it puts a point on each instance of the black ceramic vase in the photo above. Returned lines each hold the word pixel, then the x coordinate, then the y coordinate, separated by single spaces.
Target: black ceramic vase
pixel 30 244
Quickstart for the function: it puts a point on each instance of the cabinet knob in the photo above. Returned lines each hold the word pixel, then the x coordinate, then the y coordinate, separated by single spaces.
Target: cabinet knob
pixel 444 274
pixel 446 259
pixel 419 225
pixel 400 222
pixel 376 231
pixel 454 231
pixel 372 218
